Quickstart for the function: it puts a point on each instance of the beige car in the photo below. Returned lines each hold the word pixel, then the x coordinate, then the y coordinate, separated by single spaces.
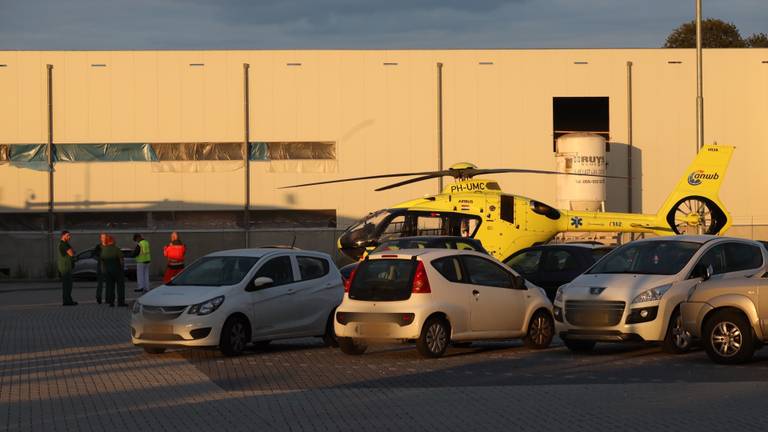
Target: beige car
pixel 730 316
pixel 437 297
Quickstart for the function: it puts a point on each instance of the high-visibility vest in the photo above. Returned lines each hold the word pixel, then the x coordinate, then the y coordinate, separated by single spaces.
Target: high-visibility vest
pixel 175 252
pixel 144 255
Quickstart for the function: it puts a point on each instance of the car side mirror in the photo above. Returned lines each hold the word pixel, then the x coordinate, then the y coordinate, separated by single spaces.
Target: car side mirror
pixel 703 271
pixel 260 283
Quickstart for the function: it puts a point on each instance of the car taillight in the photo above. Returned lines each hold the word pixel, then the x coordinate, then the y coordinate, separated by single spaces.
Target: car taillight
pixel 420 280
pixel 348 282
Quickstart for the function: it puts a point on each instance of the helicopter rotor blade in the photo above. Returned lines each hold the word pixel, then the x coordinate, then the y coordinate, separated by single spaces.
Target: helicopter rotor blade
pixel 409 181
pixel 426 173
pixel 477 172
pixel 456 173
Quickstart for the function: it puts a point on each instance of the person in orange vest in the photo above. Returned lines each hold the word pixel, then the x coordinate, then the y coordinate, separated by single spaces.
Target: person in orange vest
pixel 174 252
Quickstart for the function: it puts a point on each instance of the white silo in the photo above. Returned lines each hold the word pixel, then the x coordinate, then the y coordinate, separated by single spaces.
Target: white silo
pixel 582 153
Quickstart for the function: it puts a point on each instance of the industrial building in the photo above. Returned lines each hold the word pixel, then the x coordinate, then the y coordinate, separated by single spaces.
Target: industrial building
pixel 154 141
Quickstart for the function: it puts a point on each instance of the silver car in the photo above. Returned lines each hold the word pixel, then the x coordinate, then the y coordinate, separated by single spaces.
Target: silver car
pixel 634 292
pixel 730 316
pixel 85 264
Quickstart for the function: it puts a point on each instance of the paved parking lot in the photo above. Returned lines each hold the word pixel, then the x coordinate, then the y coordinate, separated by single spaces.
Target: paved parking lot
pixel 74 369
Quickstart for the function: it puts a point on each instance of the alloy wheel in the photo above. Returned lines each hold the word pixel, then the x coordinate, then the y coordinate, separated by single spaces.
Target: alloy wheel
pixel 436 338
pixel 237 336
pixel 541 330
pixel 727 339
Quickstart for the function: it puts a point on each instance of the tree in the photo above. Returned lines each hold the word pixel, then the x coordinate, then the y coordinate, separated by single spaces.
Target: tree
pixel 715 33
pixel 757 40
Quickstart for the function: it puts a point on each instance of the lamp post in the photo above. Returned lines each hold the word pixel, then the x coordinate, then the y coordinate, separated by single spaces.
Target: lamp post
pixel 699 83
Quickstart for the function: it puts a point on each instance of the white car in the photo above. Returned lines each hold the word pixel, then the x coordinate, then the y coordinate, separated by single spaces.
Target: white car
pixel 231 298
pixel 440 296
pixel 635 292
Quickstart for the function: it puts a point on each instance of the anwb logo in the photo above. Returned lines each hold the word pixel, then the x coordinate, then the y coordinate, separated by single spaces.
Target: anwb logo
pixel 695 178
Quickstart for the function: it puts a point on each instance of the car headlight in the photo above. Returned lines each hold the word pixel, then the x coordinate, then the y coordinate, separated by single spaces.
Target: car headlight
pixel 559 293
pixel 206 307
pixel 136 307
pixel 652 294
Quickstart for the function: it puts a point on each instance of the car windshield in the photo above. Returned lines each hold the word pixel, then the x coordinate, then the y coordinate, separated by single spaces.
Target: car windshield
pixel 215 271
pixel 650 257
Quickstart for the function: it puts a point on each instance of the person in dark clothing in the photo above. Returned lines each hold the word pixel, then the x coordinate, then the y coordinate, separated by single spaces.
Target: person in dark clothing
pixel 99 266
pixel 112 260
pixel 64 265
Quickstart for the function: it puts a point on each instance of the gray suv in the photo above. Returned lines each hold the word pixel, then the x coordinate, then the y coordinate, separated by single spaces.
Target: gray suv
pixel 730 316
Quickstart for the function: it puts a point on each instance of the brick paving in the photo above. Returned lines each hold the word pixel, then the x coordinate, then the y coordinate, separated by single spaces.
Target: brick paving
pixel 73 368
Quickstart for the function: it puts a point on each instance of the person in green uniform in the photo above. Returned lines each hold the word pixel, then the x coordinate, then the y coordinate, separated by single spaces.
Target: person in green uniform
pixel 64 265
pixel 112 260
pixel 99 266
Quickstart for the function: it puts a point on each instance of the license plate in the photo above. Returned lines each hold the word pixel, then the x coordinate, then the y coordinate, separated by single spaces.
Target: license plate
pixel 158 328
pixel 373 329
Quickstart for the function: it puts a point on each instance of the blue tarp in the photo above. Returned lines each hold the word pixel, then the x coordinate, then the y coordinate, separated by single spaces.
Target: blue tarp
pixel 33 155
pixel 259 151
pixel 104 152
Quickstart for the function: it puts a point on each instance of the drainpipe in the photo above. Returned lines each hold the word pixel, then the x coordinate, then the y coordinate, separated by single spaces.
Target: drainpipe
pixel 49 154
pixel 246 156
pixel 629 137
pixel 439 125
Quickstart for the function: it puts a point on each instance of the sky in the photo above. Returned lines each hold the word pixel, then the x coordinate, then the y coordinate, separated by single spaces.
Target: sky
pixel 356 24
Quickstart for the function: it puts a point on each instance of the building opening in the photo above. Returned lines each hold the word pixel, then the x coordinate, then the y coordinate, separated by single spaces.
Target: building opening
pixel 580 114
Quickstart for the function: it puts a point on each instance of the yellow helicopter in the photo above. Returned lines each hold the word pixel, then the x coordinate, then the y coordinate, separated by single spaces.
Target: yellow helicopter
pixel 506 223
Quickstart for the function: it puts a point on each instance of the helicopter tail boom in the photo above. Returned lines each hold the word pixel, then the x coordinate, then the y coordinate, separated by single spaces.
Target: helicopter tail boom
pixel 693 206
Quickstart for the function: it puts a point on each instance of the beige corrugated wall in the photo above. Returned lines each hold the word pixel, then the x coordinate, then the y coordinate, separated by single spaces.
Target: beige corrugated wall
pixel 383 118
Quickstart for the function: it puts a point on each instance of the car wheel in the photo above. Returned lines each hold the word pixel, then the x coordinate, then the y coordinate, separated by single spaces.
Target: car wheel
pixel 728 338
pixel 434 338
pixel 153 350
pixel 678 340
pixel 235 334
pixel 541 330
pixel 329 337
pixel 579 346
pixel 351 346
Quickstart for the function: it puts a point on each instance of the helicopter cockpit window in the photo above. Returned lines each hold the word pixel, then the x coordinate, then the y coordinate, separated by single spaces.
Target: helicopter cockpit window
pixel 395 228
pixel 365 229
pixel 468 226
pixel 431 224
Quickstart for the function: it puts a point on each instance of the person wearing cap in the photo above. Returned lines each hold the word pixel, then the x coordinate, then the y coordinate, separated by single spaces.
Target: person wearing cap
pixel 143 258
pixel 64 265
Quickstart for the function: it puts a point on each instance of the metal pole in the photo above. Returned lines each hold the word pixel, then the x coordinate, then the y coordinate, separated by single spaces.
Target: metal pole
pixel 699 97
pixel 699 83
pixel 629 136
pixel 49 154
pixel 439 125
pixel 246 155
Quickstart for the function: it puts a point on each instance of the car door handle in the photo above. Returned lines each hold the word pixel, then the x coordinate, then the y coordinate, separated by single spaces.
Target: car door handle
pixel 475 292
pixel 291 292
